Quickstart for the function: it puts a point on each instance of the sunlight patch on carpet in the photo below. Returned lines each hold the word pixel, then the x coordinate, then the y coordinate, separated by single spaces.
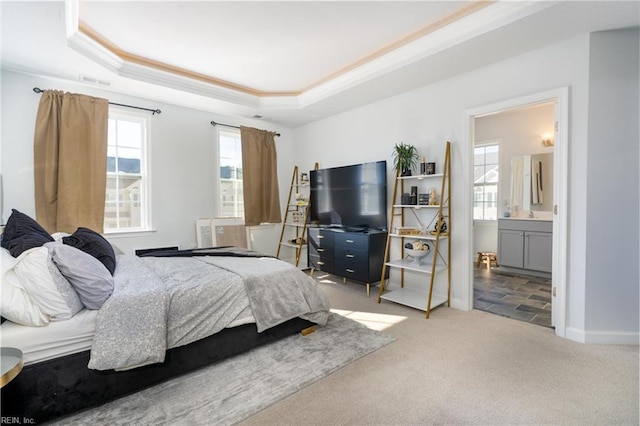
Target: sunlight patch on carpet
pixel 372 320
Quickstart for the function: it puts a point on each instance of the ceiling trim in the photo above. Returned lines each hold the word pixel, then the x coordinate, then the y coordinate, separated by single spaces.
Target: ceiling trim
pixel 128 57
pixel 422 32
pixel 161 66
pixel 470 21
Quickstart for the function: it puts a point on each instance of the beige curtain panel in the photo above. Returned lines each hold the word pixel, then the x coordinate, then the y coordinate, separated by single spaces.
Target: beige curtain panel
pixel 260 177
pixel 70 161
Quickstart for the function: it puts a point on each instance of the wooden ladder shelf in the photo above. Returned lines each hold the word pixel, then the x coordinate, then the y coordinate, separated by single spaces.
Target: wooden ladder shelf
pixel 421 297
pixel 296 218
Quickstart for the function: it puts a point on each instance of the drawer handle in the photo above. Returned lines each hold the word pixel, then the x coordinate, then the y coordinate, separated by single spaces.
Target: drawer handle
pixel 320 262
pixel 350 255
pixel 351 271
pixel 320 249
pixel 320 236
pixel 350 241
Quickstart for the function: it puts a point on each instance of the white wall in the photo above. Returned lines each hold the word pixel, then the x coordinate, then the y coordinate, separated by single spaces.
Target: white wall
pixel 431 115
pixel 612 233
pixel 182 144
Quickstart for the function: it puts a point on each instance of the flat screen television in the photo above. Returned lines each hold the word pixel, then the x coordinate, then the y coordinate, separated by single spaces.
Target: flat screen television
pixel 351 197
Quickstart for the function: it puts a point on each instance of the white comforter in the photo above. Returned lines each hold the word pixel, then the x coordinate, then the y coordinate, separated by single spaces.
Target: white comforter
pixel 165 302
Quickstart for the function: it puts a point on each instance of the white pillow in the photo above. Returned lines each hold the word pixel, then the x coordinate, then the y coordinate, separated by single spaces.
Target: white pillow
pixel 6 260
pixel 50 291
pixel 15 303
pixel 57 236
pixel 87 275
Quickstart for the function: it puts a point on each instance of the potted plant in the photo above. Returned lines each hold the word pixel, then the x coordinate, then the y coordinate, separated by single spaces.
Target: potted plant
pixel 405 158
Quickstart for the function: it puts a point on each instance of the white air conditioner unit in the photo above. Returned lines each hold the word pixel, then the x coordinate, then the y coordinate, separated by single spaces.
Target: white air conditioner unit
pixel 221 232
pixel 203 233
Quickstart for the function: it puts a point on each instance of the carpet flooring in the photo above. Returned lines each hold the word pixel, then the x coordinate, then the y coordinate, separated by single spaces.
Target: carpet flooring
pixel 237 388
pixel 462 368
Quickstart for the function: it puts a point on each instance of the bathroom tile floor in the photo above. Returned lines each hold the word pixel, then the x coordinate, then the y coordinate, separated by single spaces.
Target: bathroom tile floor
pixel 521 297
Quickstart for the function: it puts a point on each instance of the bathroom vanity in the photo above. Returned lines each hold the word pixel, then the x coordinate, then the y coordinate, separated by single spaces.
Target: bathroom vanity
pixel 524 245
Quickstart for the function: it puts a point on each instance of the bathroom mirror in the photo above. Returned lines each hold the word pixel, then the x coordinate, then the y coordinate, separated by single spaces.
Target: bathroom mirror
pixel 531 182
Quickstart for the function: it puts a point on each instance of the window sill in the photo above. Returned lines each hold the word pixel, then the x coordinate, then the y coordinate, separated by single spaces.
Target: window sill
pixel 485 221
pixel 130 234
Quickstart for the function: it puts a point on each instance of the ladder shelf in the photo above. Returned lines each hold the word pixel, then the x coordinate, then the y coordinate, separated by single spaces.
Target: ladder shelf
pixel 296 218
pixel 435 229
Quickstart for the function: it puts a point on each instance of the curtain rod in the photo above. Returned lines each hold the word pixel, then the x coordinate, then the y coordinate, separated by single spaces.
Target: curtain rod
pixel 213 123
pixel 153 111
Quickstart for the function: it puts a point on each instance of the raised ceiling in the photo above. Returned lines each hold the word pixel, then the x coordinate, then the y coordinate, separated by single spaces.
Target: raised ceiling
pixel 294 61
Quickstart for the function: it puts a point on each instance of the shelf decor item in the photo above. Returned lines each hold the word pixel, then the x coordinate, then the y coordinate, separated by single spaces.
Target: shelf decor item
pixel 408 231
pixel 405 158
pixel 431 168
pixel 417 250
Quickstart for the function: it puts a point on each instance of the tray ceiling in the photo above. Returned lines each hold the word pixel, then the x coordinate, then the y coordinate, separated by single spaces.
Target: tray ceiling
pixel 292 62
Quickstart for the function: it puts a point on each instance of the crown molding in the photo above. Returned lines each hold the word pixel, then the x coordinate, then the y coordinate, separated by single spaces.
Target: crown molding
pixel 476 19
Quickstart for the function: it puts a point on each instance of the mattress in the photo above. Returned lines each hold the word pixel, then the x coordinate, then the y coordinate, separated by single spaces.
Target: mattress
pixel 59 338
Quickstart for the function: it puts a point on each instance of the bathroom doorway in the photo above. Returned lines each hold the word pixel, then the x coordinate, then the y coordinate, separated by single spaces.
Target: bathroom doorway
pixel 537 122
pixel 513 182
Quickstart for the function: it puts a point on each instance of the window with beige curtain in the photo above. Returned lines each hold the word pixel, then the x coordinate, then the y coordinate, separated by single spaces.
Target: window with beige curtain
pixel 70 149
pixel 260 177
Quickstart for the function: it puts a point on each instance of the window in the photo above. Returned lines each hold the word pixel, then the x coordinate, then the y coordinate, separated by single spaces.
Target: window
pixel 230 200
pixel 126 205
pixel 485 182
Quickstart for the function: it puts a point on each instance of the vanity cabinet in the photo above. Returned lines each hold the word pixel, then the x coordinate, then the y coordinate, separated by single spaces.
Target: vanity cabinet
pixel 525 244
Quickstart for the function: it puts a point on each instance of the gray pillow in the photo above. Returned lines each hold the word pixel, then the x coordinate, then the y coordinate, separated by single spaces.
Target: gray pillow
pixel 88 276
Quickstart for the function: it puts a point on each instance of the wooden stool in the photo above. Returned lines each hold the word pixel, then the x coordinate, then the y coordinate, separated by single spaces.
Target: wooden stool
pixel 487 257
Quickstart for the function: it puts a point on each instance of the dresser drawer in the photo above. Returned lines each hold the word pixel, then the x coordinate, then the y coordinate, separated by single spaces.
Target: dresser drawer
pixel 352 240
pixel 320 237
pixel 321 264
pixel 323 251
pixel 357 272
pixel 351 256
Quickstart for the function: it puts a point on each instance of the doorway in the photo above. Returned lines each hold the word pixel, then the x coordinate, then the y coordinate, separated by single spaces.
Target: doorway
pixel 506 145
pixel 559 99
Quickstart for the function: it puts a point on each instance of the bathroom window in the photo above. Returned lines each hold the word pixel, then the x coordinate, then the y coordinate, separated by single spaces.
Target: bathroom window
pixel 485 182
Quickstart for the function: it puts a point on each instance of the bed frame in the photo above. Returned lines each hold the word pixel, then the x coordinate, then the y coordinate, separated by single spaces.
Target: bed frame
pixel 59 387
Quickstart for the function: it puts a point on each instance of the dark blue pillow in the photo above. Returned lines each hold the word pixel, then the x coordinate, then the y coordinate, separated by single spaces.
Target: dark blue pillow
pixel 94 244
pixel 23 233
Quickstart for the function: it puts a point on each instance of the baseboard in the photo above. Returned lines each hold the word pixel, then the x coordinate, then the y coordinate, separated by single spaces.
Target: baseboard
pixel 460 304
pixel 612 338
pixel 574 334
pixel 603 337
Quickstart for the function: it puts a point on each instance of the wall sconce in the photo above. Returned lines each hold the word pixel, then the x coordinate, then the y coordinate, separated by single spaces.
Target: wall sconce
pixel 547 139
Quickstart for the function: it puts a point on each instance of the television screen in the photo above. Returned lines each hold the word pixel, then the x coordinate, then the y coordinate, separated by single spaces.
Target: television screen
pixel 351 196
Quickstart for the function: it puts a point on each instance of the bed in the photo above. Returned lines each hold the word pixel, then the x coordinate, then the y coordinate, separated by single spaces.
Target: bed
pixel 166 313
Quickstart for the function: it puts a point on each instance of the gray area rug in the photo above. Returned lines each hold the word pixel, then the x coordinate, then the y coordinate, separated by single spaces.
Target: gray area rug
pixel 234 389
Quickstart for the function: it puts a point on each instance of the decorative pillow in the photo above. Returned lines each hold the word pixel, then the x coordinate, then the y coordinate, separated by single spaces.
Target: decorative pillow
pixel 94 244
pixel 88 276
pixel 23 233
pixel 46 286
pixel 16 304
